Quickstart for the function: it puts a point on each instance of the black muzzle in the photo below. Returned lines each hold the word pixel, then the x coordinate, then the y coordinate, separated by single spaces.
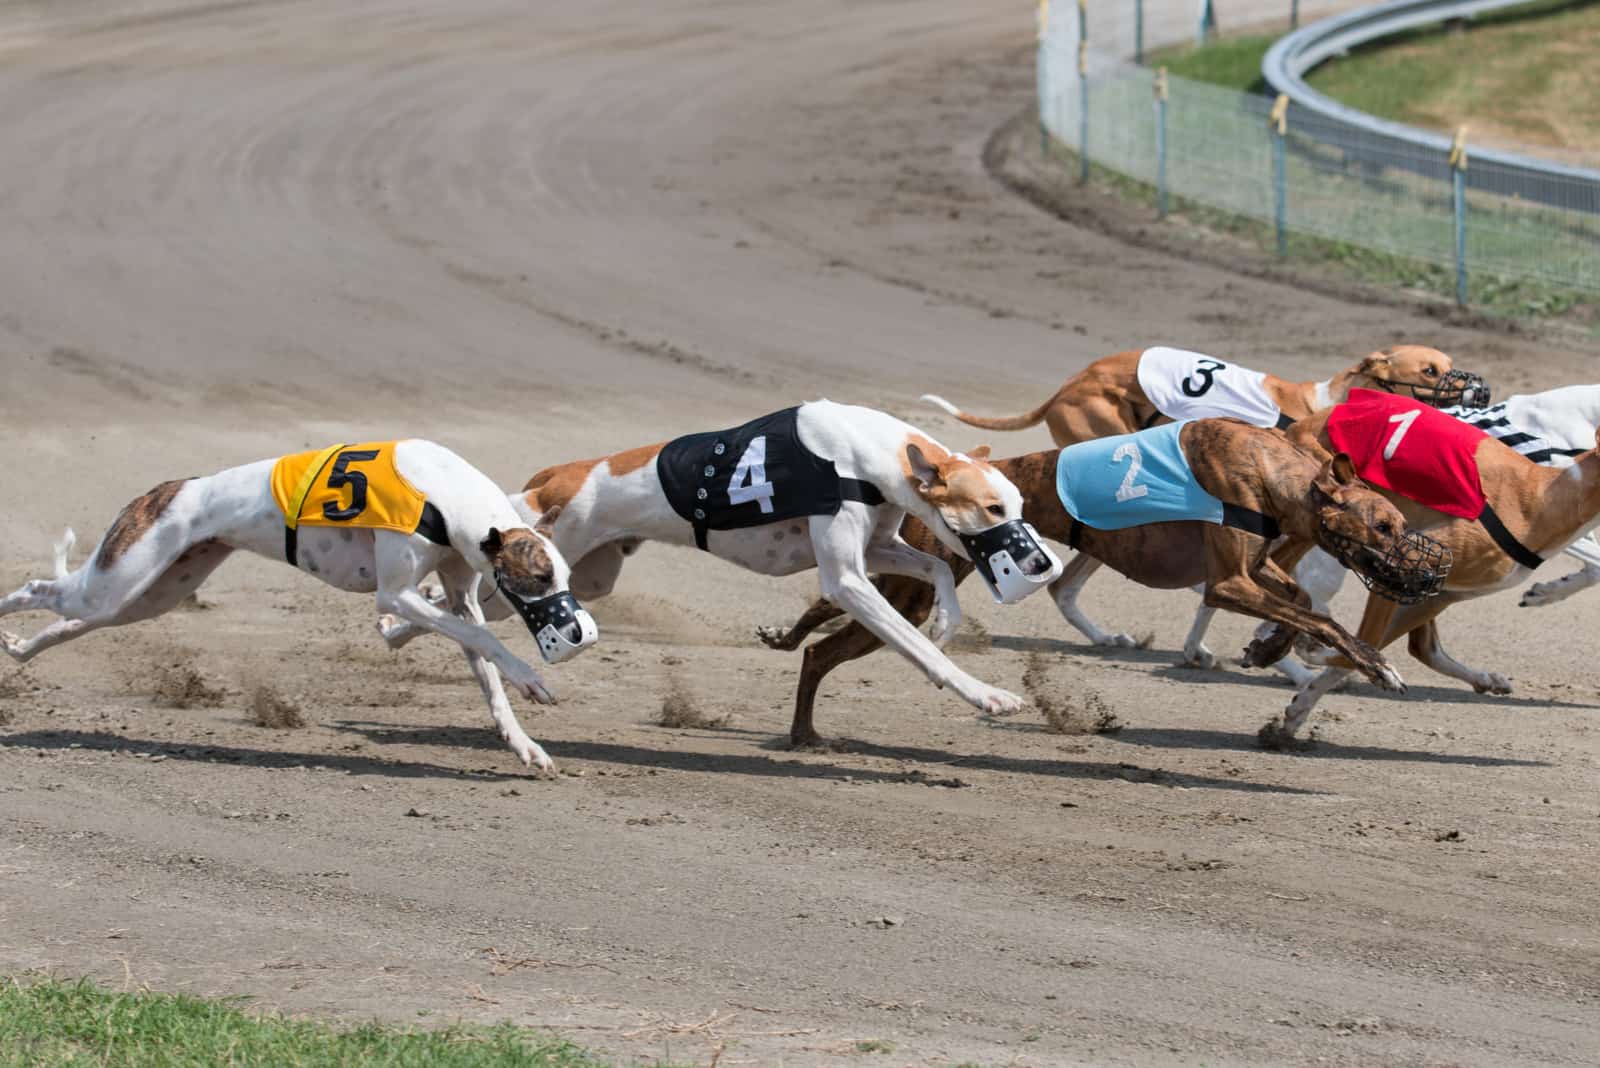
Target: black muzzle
pixel 1011 560
pixel 1411 570
pixel 1456 389
pixel 562 627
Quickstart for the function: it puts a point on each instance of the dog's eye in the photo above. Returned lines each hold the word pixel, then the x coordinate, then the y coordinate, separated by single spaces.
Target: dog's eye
pixel 544 578
pixel 997 510
pixel 1384 528
pixel 1432 372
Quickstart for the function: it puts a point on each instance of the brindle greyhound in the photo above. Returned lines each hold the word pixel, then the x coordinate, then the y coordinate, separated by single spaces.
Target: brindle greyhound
pixel 1544 509
pixel 1253 468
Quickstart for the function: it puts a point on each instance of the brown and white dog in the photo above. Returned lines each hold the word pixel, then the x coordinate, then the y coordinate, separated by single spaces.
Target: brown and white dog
pixel 599 511
pixel 1312 502
pixel 1113 394
pixel 165 544
pixel 1541 510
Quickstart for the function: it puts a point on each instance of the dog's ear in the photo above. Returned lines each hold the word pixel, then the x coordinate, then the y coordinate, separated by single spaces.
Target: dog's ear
pixel 1329 485
pixel 1377 361
pixel 547 521
pixel 981 453
pixel 1344 469
pixel 923 469
pixel 492 543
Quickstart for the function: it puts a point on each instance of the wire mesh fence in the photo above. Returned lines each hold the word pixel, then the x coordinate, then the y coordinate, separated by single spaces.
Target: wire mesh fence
pixel 1226 151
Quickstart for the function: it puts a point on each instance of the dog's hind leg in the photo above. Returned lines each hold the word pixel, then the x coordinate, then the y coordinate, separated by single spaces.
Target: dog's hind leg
pixel 1065 590
pixel 1587 551
pixel 1426 647
pixel 1195 653
pixel 910 598
pixel 787 639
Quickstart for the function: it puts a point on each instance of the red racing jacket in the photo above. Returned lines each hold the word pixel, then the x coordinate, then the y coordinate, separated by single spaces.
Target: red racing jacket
pixel 1417 451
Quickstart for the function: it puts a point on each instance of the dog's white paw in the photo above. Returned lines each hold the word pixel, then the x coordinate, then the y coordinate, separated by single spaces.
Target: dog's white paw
pixel 1491 682
pixel 774 637
pixel 942 628
pixel 1200 657
pixel 527 682
pixel 530 753
pixel 11 644
pixel 997 702
pixel 1121 641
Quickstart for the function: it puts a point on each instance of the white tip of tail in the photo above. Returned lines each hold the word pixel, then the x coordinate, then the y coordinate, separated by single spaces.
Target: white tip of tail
pixel 63 548
pixel 939 402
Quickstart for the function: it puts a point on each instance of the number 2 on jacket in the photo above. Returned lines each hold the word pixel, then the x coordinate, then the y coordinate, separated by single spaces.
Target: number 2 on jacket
pixel 1128 491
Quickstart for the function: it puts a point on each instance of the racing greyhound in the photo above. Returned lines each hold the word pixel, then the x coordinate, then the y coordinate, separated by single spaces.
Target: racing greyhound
pixel 368 518
pixel 1268 487
pixel 822 486
pixel 1498 512
pixel 1138 388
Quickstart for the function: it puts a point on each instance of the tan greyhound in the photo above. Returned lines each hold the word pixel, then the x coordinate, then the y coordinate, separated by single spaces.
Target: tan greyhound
pixel 1529 513
pixel 1131 390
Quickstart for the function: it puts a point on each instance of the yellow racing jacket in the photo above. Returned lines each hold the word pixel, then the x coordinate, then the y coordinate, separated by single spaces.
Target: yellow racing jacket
pixel 351 486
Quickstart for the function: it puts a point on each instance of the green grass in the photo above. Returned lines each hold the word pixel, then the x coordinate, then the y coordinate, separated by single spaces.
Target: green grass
pixel 50 1022
pixel 1524 76
pixel 1233 62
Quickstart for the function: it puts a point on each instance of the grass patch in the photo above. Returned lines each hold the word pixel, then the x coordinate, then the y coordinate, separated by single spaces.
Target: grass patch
pixel 1233 62
pixel 76 1023
pixel 1523 76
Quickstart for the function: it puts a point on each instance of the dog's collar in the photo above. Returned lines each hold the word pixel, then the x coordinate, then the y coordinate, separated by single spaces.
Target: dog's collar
pixel 1507 541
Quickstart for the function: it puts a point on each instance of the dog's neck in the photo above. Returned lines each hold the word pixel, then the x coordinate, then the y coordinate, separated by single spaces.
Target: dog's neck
pixel 1312 397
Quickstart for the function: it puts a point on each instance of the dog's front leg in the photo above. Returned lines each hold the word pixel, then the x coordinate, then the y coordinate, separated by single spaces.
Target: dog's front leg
pixel 1064 591
pixel 397 633
pixel 840 543
pixel 899 558
pixel 461 593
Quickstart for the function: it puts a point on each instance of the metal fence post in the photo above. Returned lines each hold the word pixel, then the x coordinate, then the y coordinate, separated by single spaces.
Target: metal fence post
pixel 1138 32
pixel 1294 14
pixel 1044 79
pixel 1083 91
pixel 1207 22
pixel 1161 143
pixel 1458 180
pixel 1278 124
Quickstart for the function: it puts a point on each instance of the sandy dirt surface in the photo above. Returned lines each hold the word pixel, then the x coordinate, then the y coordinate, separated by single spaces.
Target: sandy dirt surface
pixel 541 231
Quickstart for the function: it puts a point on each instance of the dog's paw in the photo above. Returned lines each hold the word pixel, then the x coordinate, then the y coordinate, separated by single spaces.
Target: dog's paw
pixel 527 682
pixel 1276 736
pixel 1126 641
pixel 1541 594
pixel 1200 658
pixel 1490 682
pixel 775 637
pixel 1386 677
pixel 997 702
pixel 941 629
pixel 529 752
pixel 11 644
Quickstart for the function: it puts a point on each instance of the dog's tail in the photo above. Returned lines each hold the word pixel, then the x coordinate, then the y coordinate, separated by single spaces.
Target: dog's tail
pixel 1007 422
pixel 62 548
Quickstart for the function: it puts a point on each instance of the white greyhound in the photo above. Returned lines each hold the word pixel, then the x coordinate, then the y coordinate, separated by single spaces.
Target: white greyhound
pixel 822 486
pixel 365 518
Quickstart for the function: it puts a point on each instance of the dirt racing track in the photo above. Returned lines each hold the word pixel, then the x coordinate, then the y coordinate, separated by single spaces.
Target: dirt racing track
pixel 540 231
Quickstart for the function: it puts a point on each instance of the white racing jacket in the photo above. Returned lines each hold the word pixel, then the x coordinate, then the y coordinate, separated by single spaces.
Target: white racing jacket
pixel 1191 385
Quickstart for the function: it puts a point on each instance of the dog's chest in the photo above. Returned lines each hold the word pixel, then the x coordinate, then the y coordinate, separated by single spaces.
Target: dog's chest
pixel 343 558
